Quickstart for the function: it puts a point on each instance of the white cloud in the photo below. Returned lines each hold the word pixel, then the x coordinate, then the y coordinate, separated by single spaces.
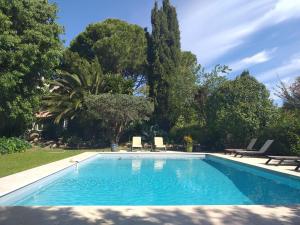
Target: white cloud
pixel 286 73
pixel 212 28
pixel 255 59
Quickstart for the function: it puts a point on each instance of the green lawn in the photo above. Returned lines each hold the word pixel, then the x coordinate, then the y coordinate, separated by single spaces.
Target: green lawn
pixel 16 162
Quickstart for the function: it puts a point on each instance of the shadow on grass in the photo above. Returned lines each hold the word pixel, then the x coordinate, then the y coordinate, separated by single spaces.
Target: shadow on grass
pixel 206 215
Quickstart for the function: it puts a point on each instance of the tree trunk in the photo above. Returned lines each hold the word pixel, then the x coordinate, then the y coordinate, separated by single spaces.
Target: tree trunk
pixel 116 134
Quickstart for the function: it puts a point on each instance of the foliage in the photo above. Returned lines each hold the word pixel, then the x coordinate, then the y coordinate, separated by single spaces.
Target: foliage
pixel 30 49
pixel 213 79
pixel 119 46
pixel 237 110
pixel 164 60
pixel 116 84
pixel 67 91
pixel 77 78
pixel 285 130
pixel 189 143
pixel 81 132
pixel 118 111
pixel 182 90
pixel 188 139
pixel 286 127
pixel 85 131
pixel 146 130
pixel 152 131
pixel 291 95
pixel 197 132
pixel 12 145
pixel 208 83
pixel 95 81
pixel 51 131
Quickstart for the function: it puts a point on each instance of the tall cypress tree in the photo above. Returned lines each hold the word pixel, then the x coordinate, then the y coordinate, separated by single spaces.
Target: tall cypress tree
pixel 164 60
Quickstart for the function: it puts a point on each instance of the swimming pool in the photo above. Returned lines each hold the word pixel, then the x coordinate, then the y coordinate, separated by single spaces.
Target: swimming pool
pixel 142 179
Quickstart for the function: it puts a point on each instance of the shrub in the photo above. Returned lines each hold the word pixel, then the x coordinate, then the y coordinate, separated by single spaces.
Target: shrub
pixel 237 110
pixel 12 145
pixel 285 130
pixel 196 132
pixel 188 139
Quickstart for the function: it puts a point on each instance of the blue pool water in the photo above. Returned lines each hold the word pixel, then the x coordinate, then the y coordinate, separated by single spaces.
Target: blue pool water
pixel 162 181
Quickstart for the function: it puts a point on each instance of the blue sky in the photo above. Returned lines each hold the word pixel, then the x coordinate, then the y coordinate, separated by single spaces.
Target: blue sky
pixel 262 36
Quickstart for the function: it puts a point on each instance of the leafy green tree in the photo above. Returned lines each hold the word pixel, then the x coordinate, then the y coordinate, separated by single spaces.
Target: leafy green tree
pixel 30 49
pixel 238 110
pixel 194 123
pixel 284 129
pixel 117 84
pixel 120 47
pixel 183 89
pixel 118 111
pixel 169 68
pixel 208 83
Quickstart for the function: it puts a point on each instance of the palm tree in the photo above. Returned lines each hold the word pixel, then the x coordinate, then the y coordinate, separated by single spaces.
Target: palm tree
pixel 77 78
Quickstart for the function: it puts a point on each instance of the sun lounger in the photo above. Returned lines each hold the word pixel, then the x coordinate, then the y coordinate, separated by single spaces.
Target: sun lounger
pixel 281 159
pixel 136 143
pixel 249 147
pixel 159 143
pixel 260 152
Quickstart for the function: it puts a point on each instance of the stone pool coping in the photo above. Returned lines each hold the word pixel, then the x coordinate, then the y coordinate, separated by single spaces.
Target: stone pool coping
pixel 16 181
pixel 288 169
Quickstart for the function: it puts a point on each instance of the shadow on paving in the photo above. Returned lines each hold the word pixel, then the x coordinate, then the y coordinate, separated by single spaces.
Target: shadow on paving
pixel 231 215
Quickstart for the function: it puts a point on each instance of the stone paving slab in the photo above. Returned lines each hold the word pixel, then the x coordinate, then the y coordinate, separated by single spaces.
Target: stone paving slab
pixel 163 215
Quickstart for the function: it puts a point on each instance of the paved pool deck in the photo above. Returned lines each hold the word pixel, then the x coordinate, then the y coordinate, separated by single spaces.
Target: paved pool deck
pixel 163 215
pixel 148 215
pixel 285 168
